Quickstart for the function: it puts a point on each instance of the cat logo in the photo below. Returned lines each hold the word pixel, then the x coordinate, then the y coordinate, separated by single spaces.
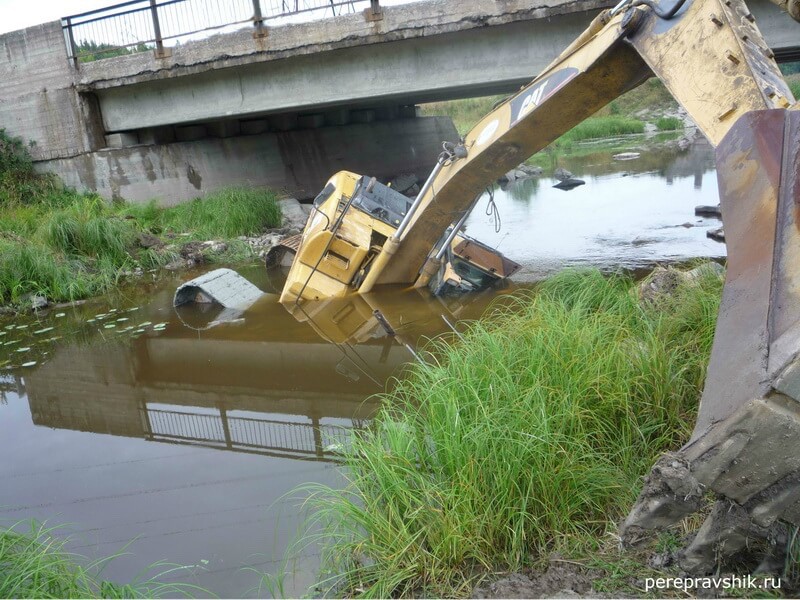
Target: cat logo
pixel 532 97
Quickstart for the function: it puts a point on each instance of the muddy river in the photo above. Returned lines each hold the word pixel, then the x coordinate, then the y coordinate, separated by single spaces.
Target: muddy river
pixel 147 430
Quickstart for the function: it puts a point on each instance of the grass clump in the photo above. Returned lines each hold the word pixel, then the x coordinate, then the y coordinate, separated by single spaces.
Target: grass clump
pixel 63 245
pixel 669 124
pixel 530 436
pixel 794 85
pixel 603 127
pixel 34 564
pixel 230 212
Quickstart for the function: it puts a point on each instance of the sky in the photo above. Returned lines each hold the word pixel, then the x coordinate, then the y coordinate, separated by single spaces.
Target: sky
pixel 18 14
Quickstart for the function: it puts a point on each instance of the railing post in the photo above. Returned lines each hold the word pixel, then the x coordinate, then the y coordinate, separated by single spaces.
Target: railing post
pixel 374 12
pixel 73 48
pixel 258 20
pixel 160 53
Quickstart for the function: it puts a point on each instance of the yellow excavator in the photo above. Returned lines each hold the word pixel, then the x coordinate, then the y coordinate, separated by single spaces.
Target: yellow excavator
pixel 712 58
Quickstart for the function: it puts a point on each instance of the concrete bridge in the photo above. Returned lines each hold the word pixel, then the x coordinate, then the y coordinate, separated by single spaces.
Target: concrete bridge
pixel 288 107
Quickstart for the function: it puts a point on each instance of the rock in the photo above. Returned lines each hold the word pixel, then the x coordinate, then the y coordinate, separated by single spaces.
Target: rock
pixel 569 184
pixel 708 211
pixel 215 246
pixel 193 253
pixel 522 172
pixel 35 301
pixel 562 174
pixel 626 156
pixel 718 235
pixel 664 282
pixel 659 284
pixel 293 215
pixel 148 240
pixel 704 270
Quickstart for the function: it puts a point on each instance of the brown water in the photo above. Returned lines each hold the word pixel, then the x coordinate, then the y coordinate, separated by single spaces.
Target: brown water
pixel 143 428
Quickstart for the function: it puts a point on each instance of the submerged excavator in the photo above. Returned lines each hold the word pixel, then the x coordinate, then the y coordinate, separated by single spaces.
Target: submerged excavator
pixel 710 55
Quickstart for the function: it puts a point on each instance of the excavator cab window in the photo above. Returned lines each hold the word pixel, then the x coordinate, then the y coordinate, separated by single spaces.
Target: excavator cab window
pixel 382 203
pixel 324 194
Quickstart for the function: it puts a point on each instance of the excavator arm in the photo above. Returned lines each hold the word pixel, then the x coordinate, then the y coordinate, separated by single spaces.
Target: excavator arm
pixel 714 61
pixel 709 54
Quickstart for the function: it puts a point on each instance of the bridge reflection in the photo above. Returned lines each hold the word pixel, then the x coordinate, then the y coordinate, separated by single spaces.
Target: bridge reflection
pixel 270 384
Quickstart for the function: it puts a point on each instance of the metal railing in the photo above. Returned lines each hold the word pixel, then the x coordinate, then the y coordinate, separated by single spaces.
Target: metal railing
pixel 308 441
pixel 144 25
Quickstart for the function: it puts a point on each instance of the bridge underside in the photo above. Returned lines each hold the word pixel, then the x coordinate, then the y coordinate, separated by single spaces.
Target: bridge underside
pixel 298 161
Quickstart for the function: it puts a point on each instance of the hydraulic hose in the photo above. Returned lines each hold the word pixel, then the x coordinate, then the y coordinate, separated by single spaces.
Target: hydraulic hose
pixel 666 15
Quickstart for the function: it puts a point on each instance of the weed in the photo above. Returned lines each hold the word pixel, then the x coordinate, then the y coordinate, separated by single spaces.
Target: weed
pixel 57 243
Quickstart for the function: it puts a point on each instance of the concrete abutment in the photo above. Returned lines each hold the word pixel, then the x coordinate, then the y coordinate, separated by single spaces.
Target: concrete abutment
pixel 298 162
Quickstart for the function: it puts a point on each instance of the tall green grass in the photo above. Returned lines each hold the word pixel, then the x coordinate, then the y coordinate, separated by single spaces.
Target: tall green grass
pixel 794 85
pixel 227 213
pixel 603 127
pixel 57 243
pixel 669 124
pixel 35 564
pixel 529 436
pixel 89 227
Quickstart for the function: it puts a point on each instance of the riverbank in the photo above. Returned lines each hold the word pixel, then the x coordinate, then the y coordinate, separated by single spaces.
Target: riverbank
pixel 57 245
pixel 525 439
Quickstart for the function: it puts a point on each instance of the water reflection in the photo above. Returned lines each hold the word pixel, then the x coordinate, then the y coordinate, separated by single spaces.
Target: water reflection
pixel 267 384
pixel 187 440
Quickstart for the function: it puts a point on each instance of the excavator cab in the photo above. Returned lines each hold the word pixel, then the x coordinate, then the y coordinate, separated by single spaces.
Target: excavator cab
pixel 352 218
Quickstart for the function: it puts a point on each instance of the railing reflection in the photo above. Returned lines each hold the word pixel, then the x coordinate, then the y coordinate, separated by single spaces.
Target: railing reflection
pixel 305 441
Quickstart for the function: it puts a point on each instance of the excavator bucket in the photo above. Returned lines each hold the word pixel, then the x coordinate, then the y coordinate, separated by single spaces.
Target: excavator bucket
pixel 746 443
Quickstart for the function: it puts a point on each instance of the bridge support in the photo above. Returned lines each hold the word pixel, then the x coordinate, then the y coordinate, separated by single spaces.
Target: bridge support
pixel 299 161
